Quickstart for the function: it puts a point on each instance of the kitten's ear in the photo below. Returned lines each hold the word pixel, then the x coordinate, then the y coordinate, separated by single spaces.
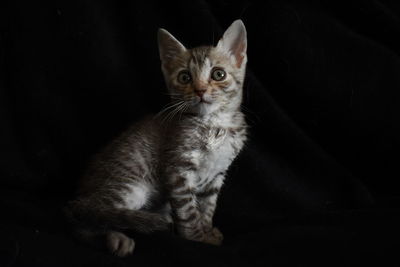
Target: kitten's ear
pixel 234 41
pixel 168 46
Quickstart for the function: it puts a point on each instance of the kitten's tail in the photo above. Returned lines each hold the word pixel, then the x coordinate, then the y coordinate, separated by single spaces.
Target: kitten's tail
pixel 84 213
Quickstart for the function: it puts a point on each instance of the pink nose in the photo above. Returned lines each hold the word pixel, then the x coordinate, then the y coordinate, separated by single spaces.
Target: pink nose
pixel 200 92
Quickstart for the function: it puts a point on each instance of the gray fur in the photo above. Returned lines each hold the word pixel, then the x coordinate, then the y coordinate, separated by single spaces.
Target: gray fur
pixel 170 167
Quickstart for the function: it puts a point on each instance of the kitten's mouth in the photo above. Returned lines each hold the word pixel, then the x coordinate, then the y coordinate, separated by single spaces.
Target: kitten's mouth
pixel 204 101
pixel 201 100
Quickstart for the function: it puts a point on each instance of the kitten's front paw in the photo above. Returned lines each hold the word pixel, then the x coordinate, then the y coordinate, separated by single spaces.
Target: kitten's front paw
pixel 213 237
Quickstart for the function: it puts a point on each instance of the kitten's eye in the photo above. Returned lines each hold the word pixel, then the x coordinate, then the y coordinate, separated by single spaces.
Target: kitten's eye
pixel 184 77
pixel 218 75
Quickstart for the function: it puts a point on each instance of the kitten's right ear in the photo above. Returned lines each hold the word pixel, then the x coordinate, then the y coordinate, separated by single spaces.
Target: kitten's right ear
pixel 234 41
pixel 168 46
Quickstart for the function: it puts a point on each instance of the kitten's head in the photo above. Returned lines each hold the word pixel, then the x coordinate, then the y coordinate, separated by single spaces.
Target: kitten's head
pixel 207 79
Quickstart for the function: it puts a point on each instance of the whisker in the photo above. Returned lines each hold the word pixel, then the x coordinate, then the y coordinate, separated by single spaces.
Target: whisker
pixel 168 107
pixel 183 109
pixel 179 110
pixel 169 116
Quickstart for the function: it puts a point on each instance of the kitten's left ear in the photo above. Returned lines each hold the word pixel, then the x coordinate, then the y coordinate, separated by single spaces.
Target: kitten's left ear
pixel 234 41
pixel 168 46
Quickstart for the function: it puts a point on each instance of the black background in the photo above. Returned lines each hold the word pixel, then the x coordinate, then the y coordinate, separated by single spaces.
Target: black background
pixel 316 185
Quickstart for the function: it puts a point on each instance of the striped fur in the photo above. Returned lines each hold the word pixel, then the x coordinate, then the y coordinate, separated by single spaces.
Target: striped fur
pixel 170 167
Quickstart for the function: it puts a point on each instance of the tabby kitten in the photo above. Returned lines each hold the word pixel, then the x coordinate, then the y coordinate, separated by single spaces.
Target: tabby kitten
pixel 169 169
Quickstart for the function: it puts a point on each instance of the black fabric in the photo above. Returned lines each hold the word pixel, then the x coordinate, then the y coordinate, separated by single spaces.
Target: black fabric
pixel 316 185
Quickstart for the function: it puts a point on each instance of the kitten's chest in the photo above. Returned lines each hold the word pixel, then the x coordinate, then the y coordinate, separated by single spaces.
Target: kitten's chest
pixel 222 146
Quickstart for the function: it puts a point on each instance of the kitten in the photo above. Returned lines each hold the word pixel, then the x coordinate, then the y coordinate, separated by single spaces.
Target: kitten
pixel 170 168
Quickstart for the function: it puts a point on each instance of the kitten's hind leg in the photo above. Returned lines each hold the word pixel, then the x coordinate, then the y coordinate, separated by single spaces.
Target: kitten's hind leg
pixel 120 244
pixel 116 242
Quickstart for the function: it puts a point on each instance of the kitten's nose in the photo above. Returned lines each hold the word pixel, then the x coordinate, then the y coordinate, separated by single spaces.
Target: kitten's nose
pixel 200 92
